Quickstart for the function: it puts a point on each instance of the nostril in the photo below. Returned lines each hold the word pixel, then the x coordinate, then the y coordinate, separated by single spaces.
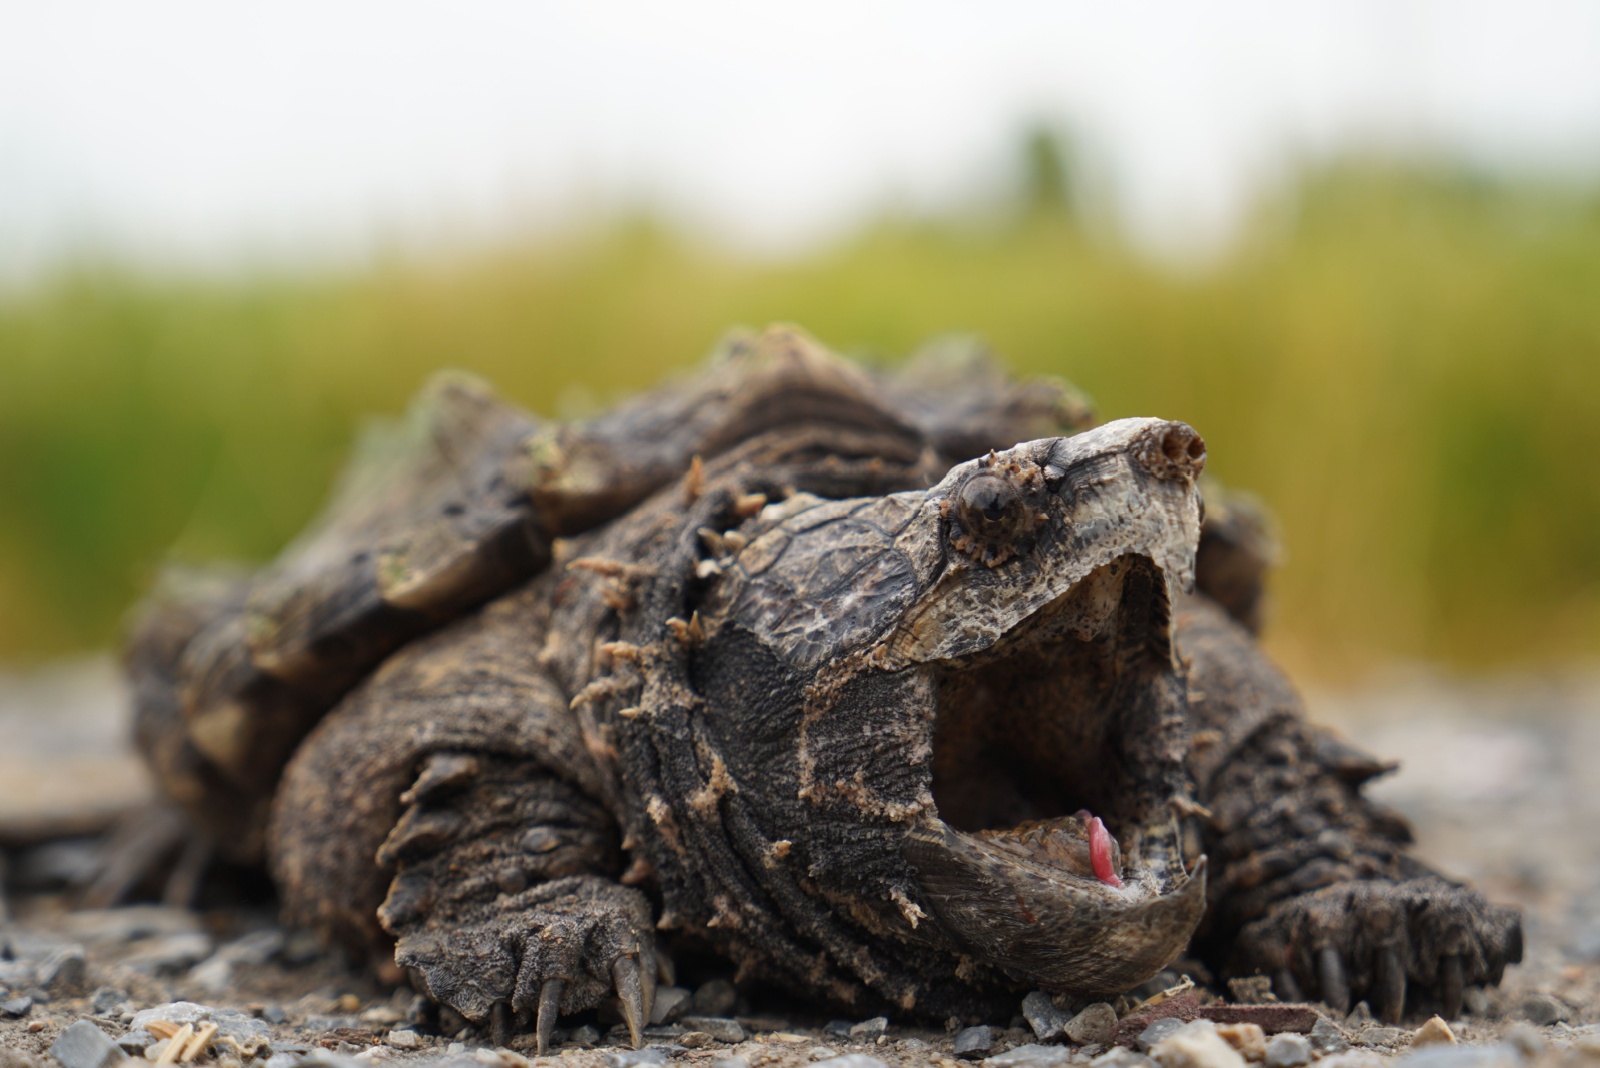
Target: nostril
pixel 1182 445
pixel 1177 451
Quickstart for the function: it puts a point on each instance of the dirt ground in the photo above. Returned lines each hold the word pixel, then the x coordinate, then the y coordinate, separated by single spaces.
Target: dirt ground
pixel 1500 779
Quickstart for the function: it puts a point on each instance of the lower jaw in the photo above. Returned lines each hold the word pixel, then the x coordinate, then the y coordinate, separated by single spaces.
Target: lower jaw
pixel 1050 928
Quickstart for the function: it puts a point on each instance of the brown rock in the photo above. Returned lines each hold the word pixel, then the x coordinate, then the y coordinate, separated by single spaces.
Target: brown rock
pixel 1434 1033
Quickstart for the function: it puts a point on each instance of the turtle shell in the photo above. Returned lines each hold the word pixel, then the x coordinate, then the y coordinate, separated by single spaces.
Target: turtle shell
pixel 461 501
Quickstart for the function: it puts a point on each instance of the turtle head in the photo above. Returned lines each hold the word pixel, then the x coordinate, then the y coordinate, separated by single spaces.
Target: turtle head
pixel 964 708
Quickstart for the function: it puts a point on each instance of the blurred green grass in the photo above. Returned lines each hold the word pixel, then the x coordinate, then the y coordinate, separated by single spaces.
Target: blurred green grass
pixel 1403 361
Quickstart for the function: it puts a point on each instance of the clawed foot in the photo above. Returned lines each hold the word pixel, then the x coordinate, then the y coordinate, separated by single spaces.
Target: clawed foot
pixel 1377 940
pixel 560 947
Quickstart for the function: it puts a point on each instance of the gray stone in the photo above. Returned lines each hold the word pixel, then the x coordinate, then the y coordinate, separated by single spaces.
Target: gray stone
pixel 718 1027
pixel 1326 1038
pixel 730 1062
pixel 867 1030
pixel 1121 1057
pixel 671 1003
pixel 1093 1025
pixel 715 998
pixel 821 1053
pixel 974 1042
pixel 170 954
pixel 16 1006
pixel 1047 1021
pixel 64 969
pixel 1360 1016
pixel 1493 1055
pixel 134 1043
pixel 837 1027
pixel 638 1058
pixel 1156 1032
pixel 851 1060
pixel 1288 1051
pixel 83 1045
pixel 1543 1010
pixel 274 1014
pixel 106 998
pixel 1032 1055
pixel 283 1060
pixel 231 1023
pixel 1381 1036
pixel 585 1035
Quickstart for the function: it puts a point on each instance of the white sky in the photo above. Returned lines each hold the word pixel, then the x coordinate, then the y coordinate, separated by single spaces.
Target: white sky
pixel 193 130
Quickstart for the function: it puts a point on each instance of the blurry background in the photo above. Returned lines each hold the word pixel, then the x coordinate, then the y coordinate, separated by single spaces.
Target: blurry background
pixel 1356 244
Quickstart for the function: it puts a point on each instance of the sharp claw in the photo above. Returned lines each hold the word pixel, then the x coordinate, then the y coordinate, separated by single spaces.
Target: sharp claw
pixel 549 1010
pixel 1390 988
pixel 1450 985
pixel 647 979
pixel 1332 979
pixel 500 1024
pixel 625 974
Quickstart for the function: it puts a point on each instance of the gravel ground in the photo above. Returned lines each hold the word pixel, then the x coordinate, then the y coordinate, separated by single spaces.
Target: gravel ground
pixel 1499 779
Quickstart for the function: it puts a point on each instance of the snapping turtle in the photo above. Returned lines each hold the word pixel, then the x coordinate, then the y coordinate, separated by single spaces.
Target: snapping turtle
pixel 815 667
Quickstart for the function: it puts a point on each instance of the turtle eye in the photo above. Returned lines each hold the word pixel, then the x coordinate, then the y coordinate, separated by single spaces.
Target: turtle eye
pixel 991 505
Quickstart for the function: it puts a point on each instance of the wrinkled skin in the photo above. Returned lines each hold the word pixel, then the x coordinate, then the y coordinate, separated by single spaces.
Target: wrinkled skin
pixel 762 662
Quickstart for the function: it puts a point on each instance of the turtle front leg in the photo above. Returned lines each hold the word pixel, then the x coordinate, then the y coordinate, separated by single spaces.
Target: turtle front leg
pixel 499 902
pixel 1314 885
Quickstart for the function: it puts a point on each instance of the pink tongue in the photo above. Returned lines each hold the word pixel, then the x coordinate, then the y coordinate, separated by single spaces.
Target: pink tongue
pixel 1100 852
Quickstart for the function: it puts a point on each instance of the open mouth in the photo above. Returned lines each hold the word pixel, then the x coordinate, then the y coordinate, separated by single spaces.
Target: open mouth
pixel 1054 850
pixel 1031 738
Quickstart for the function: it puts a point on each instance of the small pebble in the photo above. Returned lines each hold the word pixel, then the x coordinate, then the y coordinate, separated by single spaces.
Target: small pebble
pixel 106 998
pixel 136 1042
pixel 867 1030
pixel 851 1060
pixel 64 969
pixel 382 1015
pixel 1247 1038
pixel 714 998
pixel 1288 1051
pixel 974 1043
pixel 671 1003
pixel 1093 1025
pixel 17 1006
pixel 821 1053
pixel 1122 1057
pixel 1157 1031
pixel 404 1039
pixel 283 1060
pixel 1433 1033
pixel 1196 1045
pixel 585 1035
pixel 1326 1038
pixel 1543 1010
pixel 838 1027
pixel 274 1014
pixel 1381 1036
pixel 637 1058
pixel 83 1045
pixel 694 1039
pixel 1047 1021
pixel 718 1027
pixel 1032 1055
